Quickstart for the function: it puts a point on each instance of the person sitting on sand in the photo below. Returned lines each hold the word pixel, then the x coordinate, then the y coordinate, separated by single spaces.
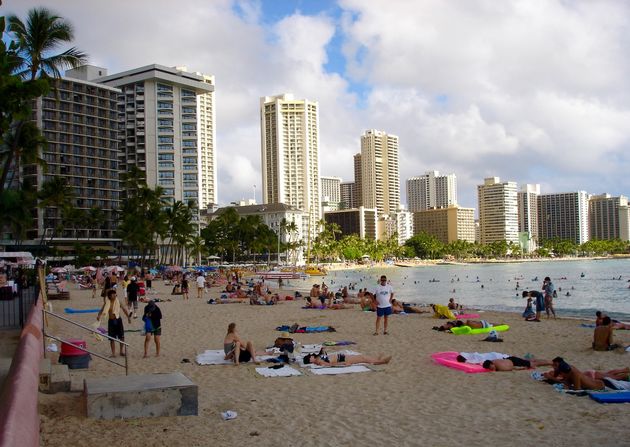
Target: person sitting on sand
pixel 238 350
pixel 511 363
pixel 572 377
pixel 339 359
pixel 368 303
pixel 453 305
pixel 540 302
pixel 603 336
pixel 616 324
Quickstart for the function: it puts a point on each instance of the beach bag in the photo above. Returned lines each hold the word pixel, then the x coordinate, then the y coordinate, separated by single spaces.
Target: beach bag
pixel 148 325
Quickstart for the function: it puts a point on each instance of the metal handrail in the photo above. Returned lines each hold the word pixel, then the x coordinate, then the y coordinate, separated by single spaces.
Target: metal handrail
pixel 126 365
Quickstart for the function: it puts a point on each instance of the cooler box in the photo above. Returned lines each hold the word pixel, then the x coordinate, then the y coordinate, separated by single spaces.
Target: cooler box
pixel 74 357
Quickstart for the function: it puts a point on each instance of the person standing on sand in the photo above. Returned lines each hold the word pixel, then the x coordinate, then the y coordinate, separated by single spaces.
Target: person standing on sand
pixel 201 284
pixel 115 328
pixel 383 294
pixel 153 326
pixel 549 290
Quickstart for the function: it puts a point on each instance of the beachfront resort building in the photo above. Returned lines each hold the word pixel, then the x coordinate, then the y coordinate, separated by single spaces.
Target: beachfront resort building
pixel 498 211
pixel 563 216
pixel 167 130
pixel 331 193
pixel 399 224
pixel 347 193
pixel 446 224
pixel 528 216
pixel 608 217
pixel 380 180
pixel 289 132
pixel 79 119
pixel 355 221
pixel 431 190
pixel 285 220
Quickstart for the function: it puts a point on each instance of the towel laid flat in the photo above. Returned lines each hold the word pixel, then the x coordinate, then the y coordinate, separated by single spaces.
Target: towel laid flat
pixel 340 370
pixel 217 357
pixel 285 371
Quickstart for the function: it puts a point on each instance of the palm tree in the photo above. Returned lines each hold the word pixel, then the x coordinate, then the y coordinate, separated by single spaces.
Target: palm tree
pixel 41 35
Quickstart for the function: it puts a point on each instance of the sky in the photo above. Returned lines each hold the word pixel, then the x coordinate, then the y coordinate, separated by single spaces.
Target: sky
pixel 531 91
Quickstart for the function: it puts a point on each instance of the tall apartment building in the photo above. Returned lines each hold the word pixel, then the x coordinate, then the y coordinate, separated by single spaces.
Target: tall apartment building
pixel 563 216
pixel 80 121
pixel 431 190
pixel 358 182
pixel 358 221
pixel 606 217
pixel 498 211
pixel 290 155
pixel 380 180
pixel 347 193
pixel 528 214
pixel 160 116
pixel 446 224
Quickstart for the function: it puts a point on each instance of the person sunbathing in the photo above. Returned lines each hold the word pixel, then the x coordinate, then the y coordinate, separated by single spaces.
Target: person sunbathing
pixel 240 351
pixel 511 363
pixel 572 377
pixel 448 326
pixel 399 307
pixel 339 359
pixel 477 324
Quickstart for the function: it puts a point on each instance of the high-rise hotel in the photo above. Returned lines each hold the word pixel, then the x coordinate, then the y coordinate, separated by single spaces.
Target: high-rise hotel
pixel 431 190
pixel 563 216
pixel 608 217
pixel 167 130
pixel 498 211
pixel 289 132
pixel 380 180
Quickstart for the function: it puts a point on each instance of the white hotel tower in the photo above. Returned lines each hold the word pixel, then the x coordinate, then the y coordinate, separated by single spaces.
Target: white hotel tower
pixel 167 130
pixel 498 211
pixel 289 132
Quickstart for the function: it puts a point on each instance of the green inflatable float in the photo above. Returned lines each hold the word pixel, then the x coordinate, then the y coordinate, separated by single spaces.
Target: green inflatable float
pixel 467 330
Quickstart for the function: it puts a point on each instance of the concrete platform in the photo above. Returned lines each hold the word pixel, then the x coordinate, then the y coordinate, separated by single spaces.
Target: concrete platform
pixel 137 396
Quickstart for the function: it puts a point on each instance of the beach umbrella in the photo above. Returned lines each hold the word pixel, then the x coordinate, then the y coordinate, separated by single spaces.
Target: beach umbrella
pixel 175 268
pixel 59 270
pixel 88 268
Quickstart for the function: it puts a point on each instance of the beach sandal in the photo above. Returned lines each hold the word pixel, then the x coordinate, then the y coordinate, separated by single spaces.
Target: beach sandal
pixel 385 333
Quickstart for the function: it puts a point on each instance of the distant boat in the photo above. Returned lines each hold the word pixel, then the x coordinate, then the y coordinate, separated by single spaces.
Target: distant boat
pixel 274 274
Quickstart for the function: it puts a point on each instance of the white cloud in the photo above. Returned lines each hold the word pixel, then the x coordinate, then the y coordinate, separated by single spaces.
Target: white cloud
pixel 531 91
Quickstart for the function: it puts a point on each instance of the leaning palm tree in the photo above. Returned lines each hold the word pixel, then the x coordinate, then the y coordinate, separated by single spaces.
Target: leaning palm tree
pixel 41 35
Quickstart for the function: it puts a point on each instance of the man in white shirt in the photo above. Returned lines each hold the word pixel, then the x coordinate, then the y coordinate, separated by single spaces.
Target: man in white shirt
pixel 201 284
pixel 384 294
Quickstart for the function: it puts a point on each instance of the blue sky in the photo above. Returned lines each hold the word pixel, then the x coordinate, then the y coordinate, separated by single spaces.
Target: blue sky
pixel 532 92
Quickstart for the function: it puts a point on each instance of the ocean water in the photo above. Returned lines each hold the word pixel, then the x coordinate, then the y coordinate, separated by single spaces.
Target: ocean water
pixel 592 284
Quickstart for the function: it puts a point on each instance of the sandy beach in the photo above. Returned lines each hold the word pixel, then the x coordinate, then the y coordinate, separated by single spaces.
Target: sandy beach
pixel 410 401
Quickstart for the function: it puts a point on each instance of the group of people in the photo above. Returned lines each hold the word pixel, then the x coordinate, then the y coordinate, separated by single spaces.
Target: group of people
pixel 542 301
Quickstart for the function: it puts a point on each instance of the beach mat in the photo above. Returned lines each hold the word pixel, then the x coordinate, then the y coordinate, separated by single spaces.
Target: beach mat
pixel 340 370
pixel 70 310
pixel 612 397
pixel 449 359
pixel 285 371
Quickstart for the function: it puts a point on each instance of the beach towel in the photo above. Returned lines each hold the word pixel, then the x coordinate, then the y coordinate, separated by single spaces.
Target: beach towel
pixel 442 311
pixel 449 359
pixel 285 371
pixel 305 329
pixel 611 397
pixel 70 310
pixel 217 357
pixel 480 357
pixel 324 371
pixel 339 343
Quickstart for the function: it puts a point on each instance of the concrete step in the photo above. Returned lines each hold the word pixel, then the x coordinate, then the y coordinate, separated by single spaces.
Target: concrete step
pixel 53 377
pixel 136 396
pixel 59 379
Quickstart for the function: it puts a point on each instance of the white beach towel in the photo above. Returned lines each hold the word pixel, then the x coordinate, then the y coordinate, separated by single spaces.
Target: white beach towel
pixel 480 357
pixel 340 370
pixel 285 371
pixel 217 357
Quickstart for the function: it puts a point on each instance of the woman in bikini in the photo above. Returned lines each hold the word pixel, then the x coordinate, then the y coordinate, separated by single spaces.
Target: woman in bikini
pixel 236 349
pixel 325 359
